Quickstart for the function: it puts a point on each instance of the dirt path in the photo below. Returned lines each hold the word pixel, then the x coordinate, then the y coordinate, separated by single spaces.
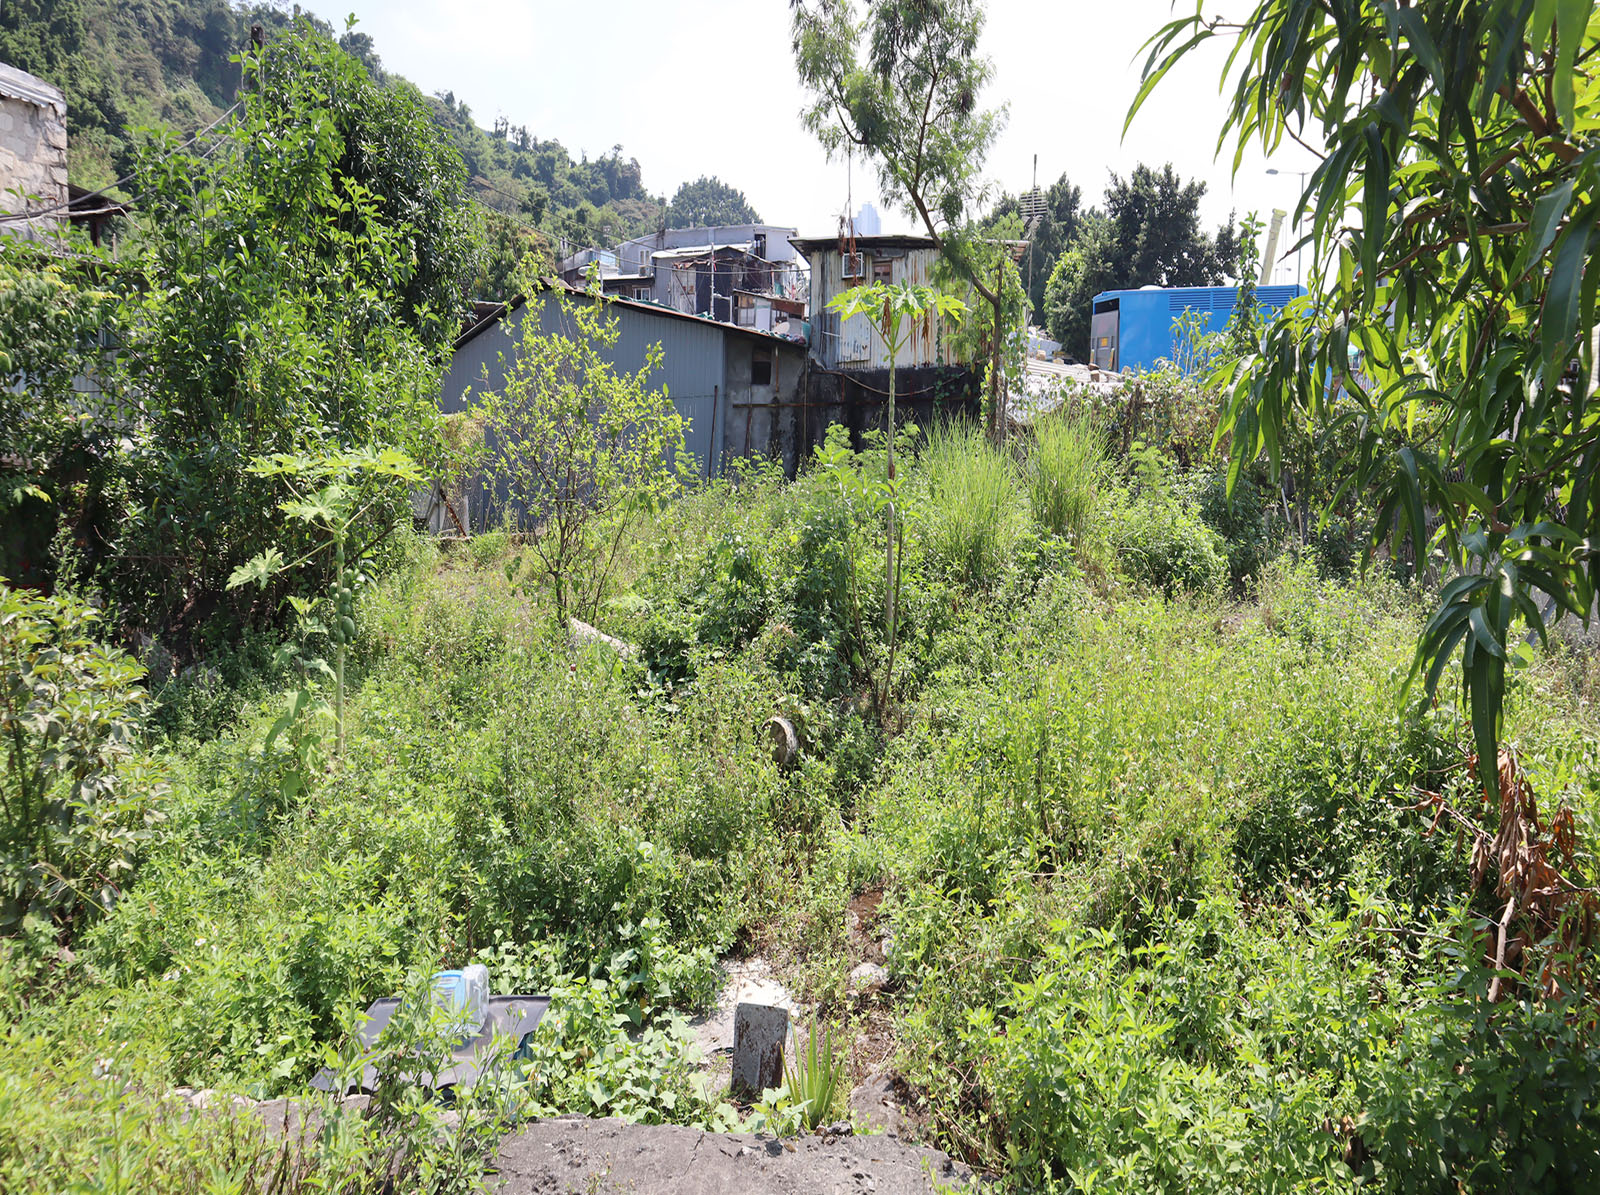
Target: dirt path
pixel 575 1156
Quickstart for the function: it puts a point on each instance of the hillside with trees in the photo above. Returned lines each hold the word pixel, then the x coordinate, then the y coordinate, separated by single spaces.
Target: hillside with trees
pixel 130 66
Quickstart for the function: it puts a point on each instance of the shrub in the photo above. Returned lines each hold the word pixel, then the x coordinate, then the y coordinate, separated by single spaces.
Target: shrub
pixel 1160 540
pixel 732 590
pixel 970 520
pixel 73 800
pixel 1335 547
pixel 1242 522
pixel 488 547
pixel 583 449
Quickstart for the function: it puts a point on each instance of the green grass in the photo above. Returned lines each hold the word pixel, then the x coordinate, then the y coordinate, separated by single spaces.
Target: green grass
pixel 1067 470
pixel 971 512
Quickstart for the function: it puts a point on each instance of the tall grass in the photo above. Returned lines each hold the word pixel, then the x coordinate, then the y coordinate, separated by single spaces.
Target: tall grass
pixel 973 500
pixel 1066 469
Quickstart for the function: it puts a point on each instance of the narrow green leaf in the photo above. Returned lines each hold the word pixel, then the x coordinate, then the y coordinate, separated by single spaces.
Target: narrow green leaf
pixel 1484 635
pixel 1559 317
pixel 1548 211
pixel 1572 18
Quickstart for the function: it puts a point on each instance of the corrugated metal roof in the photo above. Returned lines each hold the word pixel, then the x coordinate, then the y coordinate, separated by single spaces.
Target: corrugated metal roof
pixel 20 85
pixel 863 244
pixel 702 250
pixel 488 317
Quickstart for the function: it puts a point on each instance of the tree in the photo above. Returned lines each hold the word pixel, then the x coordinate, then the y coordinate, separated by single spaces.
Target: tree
pixel 1148 235
pixel 1455 221
pixel 888 307
pixel 301 283
pixel 582 448
pixel 1080 273
pixel 708 201
pixel 902 87
pixel 55 464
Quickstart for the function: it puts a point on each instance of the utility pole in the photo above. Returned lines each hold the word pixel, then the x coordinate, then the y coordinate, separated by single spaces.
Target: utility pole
pixel 1302 176
pixel 1029 249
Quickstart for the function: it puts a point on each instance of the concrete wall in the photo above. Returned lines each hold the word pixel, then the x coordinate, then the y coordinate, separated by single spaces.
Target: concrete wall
pixel 33 151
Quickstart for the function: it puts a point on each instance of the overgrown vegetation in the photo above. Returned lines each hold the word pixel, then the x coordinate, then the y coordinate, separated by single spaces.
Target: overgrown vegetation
pixel 1179 879
pixel 1162 912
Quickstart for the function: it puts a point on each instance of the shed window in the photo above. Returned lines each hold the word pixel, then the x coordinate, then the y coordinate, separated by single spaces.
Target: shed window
pixel 882 269
pixel 760 367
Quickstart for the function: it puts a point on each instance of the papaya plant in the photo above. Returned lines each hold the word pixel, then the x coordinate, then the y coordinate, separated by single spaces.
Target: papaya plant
pixel 888 307
pixel 332 494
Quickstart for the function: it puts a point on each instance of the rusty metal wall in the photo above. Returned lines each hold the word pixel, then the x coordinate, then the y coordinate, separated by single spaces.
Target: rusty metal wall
pixel 852 343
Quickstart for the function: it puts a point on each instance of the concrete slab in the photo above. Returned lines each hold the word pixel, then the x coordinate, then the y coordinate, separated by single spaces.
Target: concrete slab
pixel 574 1156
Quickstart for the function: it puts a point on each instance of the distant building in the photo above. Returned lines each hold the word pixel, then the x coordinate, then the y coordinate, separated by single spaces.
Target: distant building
pixel 702 271
pixel 33 155
pixel 738 388
pixel 868 222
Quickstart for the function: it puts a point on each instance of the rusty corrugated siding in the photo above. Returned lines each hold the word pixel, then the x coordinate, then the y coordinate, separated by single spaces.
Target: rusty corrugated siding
pixel 837 343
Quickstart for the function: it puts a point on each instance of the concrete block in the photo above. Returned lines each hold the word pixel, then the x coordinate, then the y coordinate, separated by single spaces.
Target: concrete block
pixel 759 1031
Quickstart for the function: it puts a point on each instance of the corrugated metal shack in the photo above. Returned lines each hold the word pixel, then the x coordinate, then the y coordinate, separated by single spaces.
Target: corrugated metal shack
pixel 838 264
pixel 697 270
pixel 849 378
pixel 741 390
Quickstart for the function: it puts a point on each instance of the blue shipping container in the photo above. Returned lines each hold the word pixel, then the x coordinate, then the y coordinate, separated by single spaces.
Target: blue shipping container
pixel 1132 329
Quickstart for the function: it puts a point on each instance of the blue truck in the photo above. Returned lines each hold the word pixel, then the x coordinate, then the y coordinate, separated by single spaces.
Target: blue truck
pixel 1132 329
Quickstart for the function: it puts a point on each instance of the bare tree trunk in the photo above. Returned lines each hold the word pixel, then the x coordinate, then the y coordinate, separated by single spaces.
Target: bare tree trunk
pixel 996 410
pixel 888 584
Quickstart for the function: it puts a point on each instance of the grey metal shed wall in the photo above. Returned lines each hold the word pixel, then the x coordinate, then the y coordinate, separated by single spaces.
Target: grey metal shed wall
pixel 691 370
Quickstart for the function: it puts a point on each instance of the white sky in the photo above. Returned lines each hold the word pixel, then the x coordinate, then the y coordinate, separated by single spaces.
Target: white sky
pixel 692 87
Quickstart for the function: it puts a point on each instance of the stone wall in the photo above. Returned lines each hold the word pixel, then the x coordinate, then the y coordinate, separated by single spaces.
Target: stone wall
pixel 33 151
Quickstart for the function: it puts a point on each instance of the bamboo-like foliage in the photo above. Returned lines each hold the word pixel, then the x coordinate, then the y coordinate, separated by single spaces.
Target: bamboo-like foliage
pixel 1455 220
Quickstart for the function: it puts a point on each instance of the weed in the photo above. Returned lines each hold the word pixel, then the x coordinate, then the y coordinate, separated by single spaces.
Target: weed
pixel 814 1077
pixel 1067 469
pixel 970 523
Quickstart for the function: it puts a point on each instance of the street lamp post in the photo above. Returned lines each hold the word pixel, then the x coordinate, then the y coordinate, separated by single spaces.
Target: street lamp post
pixel 1302 175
